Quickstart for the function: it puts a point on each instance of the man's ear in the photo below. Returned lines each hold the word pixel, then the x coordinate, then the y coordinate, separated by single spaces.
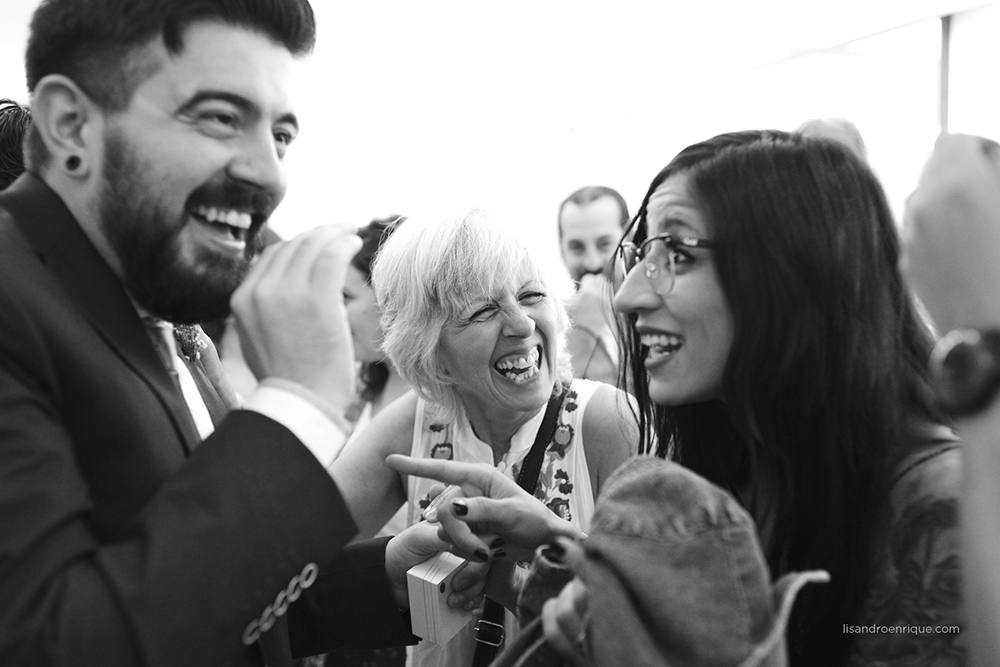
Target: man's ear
pixel 65 118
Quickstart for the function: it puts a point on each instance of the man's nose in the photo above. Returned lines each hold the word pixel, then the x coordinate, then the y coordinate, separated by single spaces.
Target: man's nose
pixel 595 260
pixel 259 163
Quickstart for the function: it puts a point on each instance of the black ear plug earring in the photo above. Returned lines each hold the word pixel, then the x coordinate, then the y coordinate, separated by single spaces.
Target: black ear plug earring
pixel 73 162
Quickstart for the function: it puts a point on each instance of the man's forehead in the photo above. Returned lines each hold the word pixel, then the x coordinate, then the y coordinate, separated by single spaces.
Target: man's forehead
pixel 602 214
pixel 225 57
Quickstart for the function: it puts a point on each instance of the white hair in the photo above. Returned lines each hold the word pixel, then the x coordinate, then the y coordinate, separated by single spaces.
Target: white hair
pixel 426 274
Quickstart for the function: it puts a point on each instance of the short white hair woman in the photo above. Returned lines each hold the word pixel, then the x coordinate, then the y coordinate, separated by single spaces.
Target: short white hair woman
pixel 471 324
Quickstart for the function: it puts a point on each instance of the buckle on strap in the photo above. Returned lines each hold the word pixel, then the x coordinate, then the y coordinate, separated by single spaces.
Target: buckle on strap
pixel 487 632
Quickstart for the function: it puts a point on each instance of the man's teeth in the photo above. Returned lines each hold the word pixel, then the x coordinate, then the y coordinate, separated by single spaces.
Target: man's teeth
pixel 661 344
pixel 231 217
pixel 519 369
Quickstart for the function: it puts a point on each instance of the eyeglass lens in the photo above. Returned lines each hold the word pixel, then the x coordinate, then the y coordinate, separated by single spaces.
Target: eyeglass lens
pixel 659 266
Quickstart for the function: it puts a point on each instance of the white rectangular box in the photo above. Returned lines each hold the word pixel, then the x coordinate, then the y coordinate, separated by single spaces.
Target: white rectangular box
pixel 429 585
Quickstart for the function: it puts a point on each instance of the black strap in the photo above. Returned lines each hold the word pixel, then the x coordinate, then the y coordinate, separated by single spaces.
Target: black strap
pixel 489 629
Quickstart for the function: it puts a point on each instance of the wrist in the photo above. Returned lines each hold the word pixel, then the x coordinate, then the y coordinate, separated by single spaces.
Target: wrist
pixel 395 573
pixel 965 370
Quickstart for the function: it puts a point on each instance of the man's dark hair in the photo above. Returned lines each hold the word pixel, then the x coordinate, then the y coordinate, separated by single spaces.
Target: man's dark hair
pixel 591 193
pixel 14 121
pixel 92 41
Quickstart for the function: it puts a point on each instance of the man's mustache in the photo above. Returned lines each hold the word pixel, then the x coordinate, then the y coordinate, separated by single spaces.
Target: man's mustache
pixel 231 194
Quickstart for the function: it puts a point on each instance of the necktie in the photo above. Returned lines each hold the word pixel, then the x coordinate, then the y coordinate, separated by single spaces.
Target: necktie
pixel 159 331
pixel 163 335
pixel 160 336
pixel 202 359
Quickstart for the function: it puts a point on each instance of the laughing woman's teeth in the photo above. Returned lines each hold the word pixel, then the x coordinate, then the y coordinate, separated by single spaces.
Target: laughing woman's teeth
pixel 519 369
pixel 661 345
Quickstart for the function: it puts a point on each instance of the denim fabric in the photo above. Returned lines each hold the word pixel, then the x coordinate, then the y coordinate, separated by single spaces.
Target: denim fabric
pixel 676 576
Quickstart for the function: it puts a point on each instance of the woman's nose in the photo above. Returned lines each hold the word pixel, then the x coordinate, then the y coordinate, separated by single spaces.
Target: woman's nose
pixel 635 293
pixel 518 324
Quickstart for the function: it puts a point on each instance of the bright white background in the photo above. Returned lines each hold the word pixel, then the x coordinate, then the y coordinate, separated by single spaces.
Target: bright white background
pixel 421 107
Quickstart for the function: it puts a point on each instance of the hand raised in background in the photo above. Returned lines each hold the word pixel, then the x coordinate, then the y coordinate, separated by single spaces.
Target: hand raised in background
pixel 952 230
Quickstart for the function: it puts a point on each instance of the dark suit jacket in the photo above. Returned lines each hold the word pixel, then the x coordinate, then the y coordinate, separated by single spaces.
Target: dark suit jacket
pixel 120 542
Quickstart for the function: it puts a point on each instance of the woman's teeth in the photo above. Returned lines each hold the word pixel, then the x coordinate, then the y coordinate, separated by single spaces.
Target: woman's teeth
pixel 519 369
pixel 661 345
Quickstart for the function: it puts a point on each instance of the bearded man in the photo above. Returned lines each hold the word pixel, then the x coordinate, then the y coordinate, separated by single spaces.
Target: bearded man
pixel 129 534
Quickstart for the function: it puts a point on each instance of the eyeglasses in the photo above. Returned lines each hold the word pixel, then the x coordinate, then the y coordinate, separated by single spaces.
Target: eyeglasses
pixel 662 253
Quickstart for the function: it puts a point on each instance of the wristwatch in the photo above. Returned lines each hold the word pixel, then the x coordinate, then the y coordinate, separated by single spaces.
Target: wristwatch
pixel 965 368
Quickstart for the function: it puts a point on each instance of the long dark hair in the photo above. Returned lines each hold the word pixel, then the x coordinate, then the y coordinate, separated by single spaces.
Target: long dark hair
pixel 373 375
pixel 826 371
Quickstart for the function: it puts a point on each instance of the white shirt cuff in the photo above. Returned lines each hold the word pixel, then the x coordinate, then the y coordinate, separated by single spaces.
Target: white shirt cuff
pixel 303 412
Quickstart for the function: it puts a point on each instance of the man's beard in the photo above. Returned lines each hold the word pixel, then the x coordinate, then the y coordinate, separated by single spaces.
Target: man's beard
pixel 145 238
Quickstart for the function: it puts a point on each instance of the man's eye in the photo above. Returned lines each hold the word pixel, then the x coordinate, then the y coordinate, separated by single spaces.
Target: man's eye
pixel 284 137
pixel 221 118
pixel 218 123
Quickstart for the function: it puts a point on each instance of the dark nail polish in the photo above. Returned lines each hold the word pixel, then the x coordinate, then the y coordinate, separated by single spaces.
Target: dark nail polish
pixel 496 543
pixel 461 509
pixel 481 555
pixel 500 553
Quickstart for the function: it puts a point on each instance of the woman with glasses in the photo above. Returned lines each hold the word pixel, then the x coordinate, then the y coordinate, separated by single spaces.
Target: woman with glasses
pixel 775 350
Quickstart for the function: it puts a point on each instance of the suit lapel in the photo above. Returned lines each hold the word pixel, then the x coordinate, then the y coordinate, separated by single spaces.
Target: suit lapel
pixel 92 286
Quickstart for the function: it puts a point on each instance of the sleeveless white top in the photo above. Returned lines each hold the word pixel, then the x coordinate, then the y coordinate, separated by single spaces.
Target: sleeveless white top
pixel 563 485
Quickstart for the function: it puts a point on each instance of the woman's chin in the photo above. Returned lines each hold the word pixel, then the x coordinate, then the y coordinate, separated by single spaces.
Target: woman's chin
pixel 667 394
pixel 671 395
pixel 529 394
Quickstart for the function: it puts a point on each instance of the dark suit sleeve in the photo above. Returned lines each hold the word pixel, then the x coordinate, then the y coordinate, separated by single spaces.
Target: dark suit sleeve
pixel 350 605
pixel 181 579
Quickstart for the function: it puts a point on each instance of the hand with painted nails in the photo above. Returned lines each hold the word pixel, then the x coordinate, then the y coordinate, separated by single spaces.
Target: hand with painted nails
pixel 469 586
pixel 494 505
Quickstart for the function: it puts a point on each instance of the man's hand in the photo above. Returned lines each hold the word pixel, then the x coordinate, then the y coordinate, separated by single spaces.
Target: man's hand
pixel 495 506
pixel 290 314
pixel 591 305
pixel 952 233
pixel 415 545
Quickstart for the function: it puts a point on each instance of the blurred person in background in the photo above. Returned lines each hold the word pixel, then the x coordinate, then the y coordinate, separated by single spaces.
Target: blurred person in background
pixel 590 223
pixel 14 121
pixel 836 129
pixel 379 384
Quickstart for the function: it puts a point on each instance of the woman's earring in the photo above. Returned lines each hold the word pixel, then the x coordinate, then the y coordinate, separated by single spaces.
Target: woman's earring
pixel 73 162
